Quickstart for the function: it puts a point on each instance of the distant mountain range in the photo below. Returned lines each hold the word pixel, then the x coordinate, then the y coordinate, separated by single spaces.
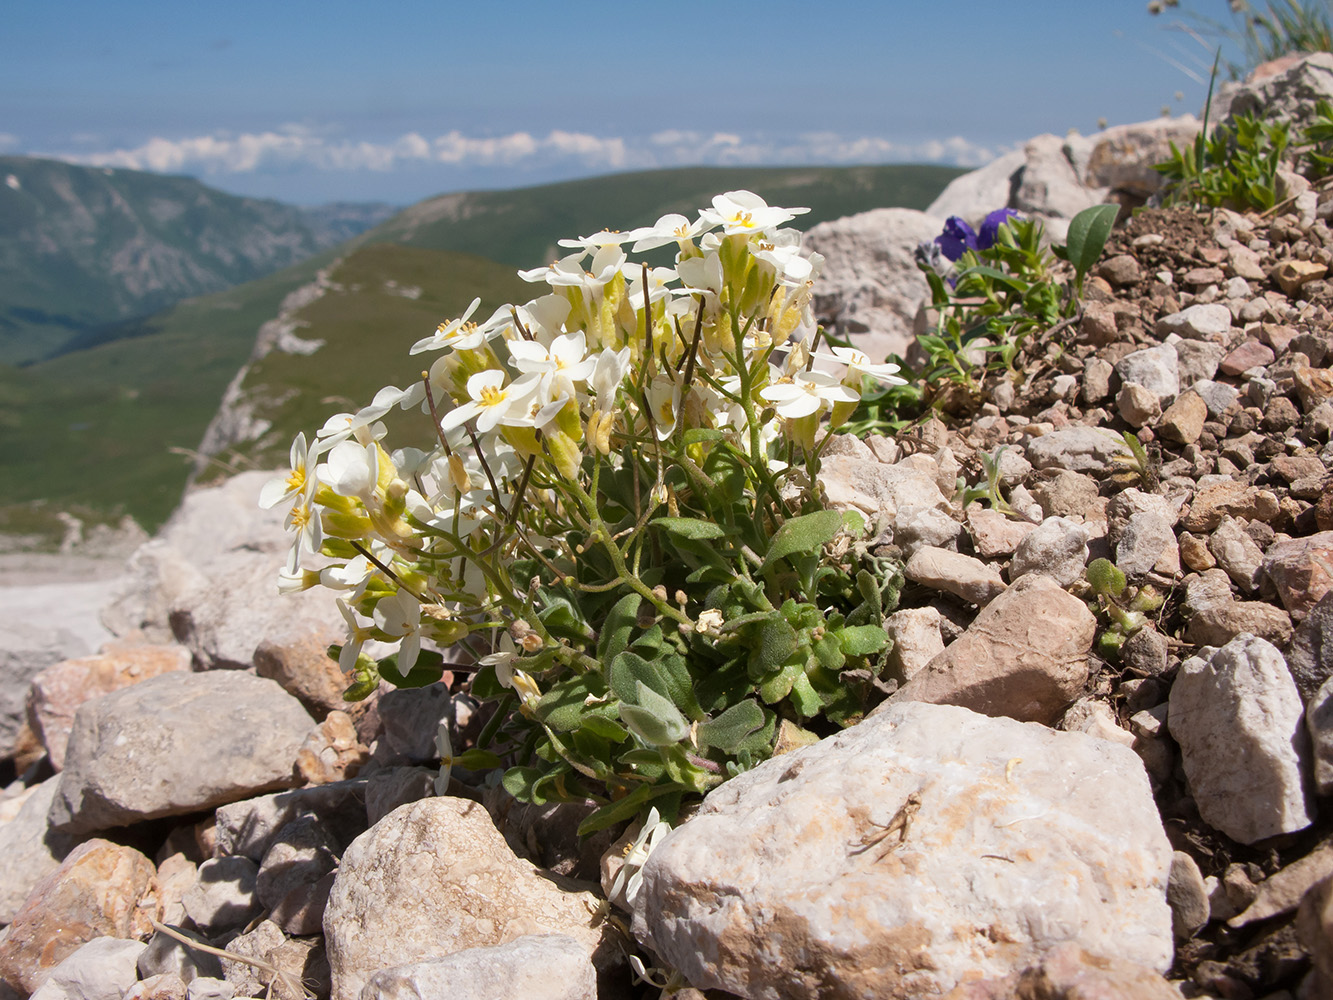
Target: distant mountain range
pixel 85 247
pixel 116 425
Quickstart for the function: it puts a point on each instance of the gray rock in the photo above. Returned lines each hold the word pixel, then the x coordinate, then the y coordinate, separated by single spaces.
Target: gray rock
pixel 1049 185
pixel 1002 819
pixel 210 988
pixel 224 896
pixel 1058 548
pixel 410 717
pixel 926 527
pixel 1237 554
pixel 301 855
pixel 165 954
pixel 1137 405
pixel 26 649
pixel 1240 724
pixel 879 491
pixel 31 849
pixel 1025 656
pixel 1187 896
pixel 1319 724
pixel 1067 494
pixel 915 633
pixel 1217 396
pixel 1154 368
pixel 963 576
pixel 248 827
pixel 1077 449
pixel 1201 322
pixel 1145 538
pixel 391 787
pixel 871 287
pixel 532 967
pixel 1197 360
pixel 1288 96
pixel 1096 380
pixel 1217 626
pixel 102 969
pixel 298 961
pixel 435 877
pixel 175 744
pixel 1310 656
pixel 1146 652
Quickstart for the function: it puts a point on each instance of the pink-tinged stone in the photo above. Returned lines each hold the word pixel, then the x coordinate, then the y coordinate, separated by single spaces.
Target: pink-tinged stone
pixel 1291 274
pixel 994 534
pixel 59 690
pixel 1302 571
pixel 100 890
pixel 1250 354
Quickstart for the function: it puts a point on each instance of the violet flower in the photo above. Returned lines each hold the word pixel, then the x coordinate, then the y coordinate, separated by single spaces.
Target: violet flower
pixel 958 237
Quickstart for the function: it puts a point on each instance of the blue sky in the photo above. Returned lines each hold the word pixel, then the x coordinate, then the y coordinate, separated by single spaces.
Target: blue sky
pixel 311 102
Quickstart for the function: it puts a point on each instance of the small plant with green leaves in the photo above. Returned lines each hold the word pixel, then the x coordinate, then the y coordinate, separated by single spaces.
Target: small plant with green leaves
pixel 1235 166
pixel 1125 608
pixel 619 525
pixel 995 290
pixel 990 490
pixel 1140 466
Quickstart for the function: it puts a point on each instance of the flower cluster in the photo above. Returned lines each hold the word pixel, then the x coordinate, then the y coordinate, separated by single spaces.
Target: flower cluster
pixel 584 443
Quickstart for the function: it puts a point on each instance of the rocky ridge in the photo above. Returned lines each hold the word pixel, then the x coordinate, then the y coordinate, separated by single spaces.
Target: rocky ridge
pixel 1030 813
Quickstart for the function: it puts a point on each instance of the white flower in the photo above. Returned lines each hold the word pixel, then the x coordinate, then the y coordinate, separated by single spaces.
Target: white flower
pixel 459 334
pixel 492 401
pixel 352 469
pixel 400 616
pixel 659 279
pixel 560 365
pixel 296 483
pixel 352 575
pixel 357 636
pixel 858 363
pixel 783 251
pixel 806 393
pixel 746 212
pixel 607 375
pixel 630 877
pixel 668 229
pixel 606 238
pixel 664 398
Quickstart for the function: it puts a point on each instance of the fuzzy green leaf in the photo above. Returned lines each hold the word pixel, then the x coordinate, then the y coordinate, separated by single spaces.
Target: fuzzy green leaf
pixel 654 719
pixel 806 534
pixel 1088 233
pixel 692 528
pixel 862 640
pixel 730 729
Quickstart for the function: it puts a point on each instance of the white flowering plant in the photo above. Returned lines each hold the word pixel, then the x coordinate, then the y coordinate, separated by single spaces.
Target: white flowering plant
pixel 617 521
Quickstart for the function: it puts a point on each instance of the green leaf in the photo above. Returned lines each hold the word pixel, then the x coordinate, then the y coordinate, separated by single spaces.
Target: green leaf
pixel 620 621
pixel 628 670
pixel 778 685
pixel 777 643
pixel 477 759
pixel 521 783
pixel 806 534
pixel 623 809
pixel 654 719
pixel 862 640
pixel 1105 577
pixel 1088 233
pixel 607 729
pixel 697 435
pixel 692 528
pixel 428 669
pixel 565 703
pixel 730 729
pixel 803 696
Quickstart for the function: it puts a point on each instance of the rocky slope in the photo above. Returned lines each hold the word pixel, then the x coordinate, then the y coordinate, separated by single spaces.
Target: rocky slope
pixel 1032 812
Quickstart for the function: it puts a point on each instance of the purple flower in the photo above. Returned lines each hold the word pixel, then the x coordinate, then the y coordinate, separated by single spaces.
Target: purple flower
pixel 957 238
pixel 990 228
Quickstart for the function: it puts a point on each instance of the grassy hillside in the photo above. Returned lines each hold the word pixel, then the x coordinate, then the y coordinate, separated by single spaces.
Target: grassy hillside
pixel 82 248
pixel 521 227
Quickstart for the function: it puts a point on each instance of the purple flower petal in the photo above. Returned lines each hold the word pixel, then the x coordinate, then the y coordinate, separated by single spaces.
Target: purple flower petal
pixel 957 238
pixel 990 228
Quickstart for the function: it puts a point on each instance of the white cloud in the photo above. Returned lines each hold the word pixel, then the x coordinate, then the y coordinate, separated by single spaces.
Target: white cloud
pixel 299 146
pixel 8 140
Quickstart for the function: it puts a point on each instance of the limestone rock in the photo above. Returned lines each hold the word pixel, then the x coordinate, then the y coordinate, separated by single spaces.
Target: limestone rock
pixel 1302 571
pixel 58 691
pixel 980 191
pixel 878 490
pixel 176 744
pixel 1319 724
pixel 1154 368
pixel 1217 626
pixel 1144 540
pixel 249 827
pixel 871 287
pixel 30 849
pixel 963 576
pixel 1239 721
pixel 1211 321
pixel 1217 500
pixel 102 969
pixel 752 897
pixel 289 881
pixel 532 967
pixel 915 633
pixel 1077 449
pixel 1310 656
pixel 96 892
pixel 1024 656
pixel 295 959
pixel 1236 553
pixel 1058 548
pixel 994 534
pixel 435 877
pixel 223 897
pixel 1068 972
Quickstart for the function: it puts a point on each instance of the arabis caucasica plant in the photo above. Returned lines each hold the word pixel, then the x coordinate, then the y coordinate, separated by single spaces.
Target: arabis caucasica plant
pixel 618 522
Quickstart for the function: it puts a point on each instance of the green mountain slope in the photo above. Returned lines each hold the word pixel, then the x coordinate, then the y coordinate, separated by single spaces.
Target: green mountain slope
pixel 85 247
pixel 521 227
